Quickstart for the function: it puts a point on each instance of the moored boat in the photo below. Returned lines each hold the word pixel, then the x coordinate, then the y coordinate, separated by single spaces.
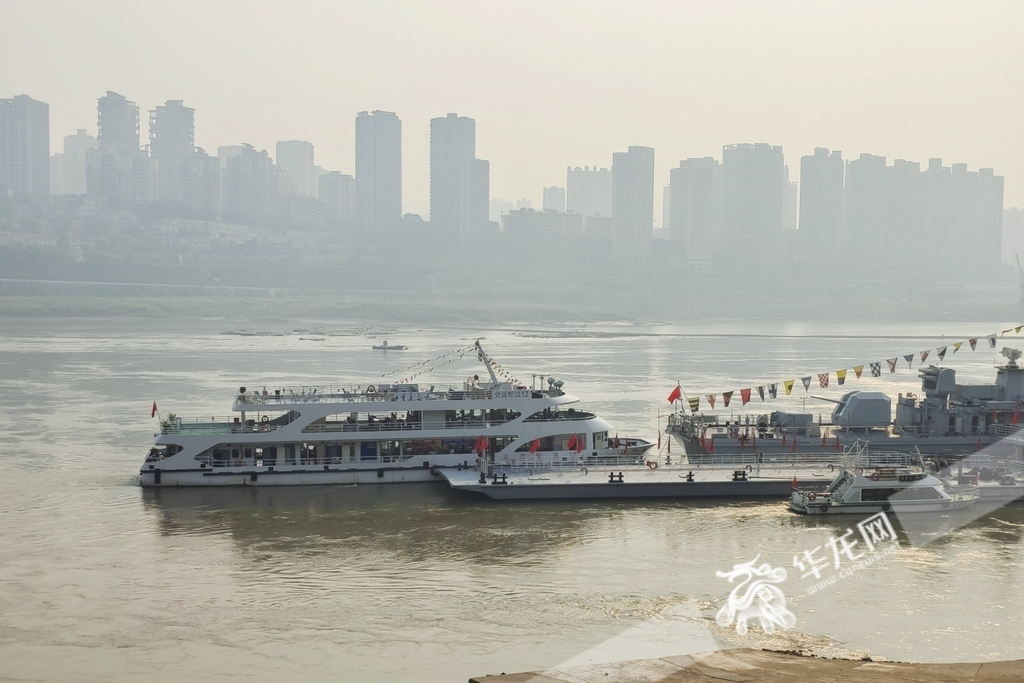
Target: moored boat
pixel 881 489
pixel 379 434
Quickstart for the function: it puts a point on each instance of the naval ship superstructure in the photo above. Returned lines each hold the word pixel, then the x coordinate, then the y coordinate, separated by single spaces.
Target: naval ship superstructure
pixel 946 419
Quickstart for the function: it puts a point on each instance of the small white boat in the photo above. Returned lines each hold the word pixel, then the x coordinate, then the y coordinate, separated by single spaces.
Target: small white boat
pixel 881 489
pixel 393 347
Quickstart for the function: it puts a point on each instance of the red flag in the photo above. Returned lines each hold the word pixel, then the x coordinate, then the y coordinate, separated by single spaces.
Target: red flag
pixel 745 395
pixel 676 394
pixel 481 444
pixel 580 443
pixel 711 444
pixel 838 447
pixel 979 442
pixel 794 443
pixel 572 443
pixel 534 445
pixel 1016 416
pixel 659 441
pixel 153 413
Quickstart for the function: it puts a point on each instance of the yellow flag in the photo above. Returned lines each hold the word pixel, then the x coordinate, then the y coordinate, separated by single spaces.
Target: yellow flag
pixel 841 376
pixel 789 386
pixel 858 369
pixel 956 346
pixel 1017 329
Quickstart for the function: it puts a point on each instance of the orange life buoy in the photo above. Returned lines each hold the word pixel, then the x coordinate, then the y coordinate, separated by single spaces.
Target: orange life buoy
pixel 875 476
pixel 652 464
pixel 265 419
pixel 812 496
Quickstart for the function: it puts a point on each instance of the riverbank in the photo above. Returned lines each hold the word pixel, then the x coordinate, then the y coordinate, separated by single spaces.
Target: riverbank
pixel 760 666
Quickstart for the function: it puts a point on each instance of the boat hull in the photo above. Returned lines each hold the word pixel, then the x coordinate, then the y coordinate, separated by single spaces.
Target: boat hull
pixel 873 508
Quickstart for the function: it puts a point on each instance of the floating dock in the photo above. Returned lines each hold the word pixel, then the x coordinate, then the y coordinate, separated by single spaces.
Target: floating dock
pixel 759 666
pixel 639 481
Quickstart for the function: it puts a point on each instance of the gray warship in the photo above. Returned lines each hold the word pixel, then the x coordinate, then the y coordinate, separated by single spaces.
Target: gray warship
pixel 947 420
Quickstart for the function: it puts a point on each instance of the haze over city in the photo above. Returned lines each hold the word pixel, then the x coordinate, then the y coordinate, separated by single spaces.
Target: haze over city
pixel 550 85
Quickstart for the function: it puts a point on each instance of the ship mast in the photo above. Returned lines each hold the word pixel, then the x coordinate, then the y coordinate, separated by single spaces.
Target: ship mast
pixel 486 361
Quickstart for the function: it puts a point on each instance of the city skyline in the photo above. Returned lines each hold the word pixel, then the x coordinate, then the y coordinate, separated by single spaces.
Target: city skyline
pixel 951 105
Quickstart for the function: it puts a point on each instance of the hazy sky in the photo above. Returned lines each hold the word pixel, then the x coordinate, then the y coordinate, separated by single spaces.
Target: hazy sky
pixel 550 84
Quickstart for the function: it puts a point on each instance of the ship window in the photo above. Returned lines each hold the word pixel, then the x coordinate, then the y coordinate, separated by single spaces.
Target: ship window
pixel 876 493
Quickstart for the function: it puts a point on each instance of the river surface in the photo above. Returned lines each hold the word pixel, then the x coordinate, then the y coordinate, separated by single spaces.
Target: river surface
pixel 103 581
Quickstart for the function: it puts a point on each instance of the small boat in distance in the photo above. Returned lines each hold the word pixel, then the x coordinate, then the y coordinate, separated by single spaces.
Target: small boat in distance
pixel 393 347
pixel 899 489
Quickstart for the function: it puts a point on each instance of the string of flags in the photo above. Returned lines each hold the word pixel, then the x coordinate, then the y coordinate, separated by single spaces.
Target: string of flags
pixel 824 379
pixel 462 352
pixel 431 364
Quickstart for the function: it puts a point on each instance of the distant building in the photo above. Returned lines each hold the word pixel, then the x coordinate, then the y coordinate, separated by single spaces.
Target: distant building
pixel 172 142
pixel 588 191
pixel 119 170
pixel 542 225
pixel 633 202
pixel 753 189
pixel 24 147
pixel 338 190
pixel 790 201
pixel 249 183
pixel 378 170
pixel 200 183
pixel 554 199
pixel 1013 237
pixel 822 176
pixel 498 208
pixel 71 165
pixel 295 157
pixel 866 238
pixel 695 195
pixel 475 187
pixel 452 144
pixel 524 203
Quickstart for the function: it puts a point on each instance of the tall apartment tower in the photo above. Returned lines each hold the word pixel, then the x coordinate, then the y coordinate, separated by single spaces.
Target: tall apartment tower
pixel 695 199
pixel 822 176
pixel 296 158
pixel 172 142
pixel 118 170
pixel 588 191
pixel 452 145
pixel 866 197
pixel 74 163
pixel 339 191
pixel 24 147
pixel 632 203
pixel 475 188
pixel 249 182
pixel 554 199
pixel 753 188
pixel 378 170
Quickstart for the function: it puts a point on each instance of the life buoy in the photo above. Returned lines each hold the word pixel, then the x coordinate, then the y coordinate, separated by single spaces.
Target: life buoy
pixel 812 496
pixel 886 507
pixel 583 470
pixel 858 470
pixel 831 467
pixel 750 468
pixel 823 508
pixel 876 476
pixel 734 433
pixel 265 419
pixel 371 389
pixel 652 464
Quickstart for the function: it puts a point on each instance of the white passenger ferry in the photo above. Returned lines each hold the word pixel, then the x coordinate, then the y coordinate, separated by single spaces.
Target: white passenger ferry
pixel 381 434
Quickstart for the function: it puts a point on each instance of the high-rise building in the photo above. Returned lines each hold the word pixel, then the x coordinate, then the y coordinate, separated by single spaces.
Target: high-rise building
pixel 200 183
pixel 24 147
pixel 475 188
pixel 296 158
pixel 753 189
pixel 498 208
pixel 378 170
pixel 249 182
pixel 821 205
pixel 452 144
pixel 119 170
pixel 695 209
pixel 73 164
pixel 554 199
pixel 589 191
pixel 338 190
pixel 172 142
pixel 865 230
pixel 633 202
pixel 790 201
